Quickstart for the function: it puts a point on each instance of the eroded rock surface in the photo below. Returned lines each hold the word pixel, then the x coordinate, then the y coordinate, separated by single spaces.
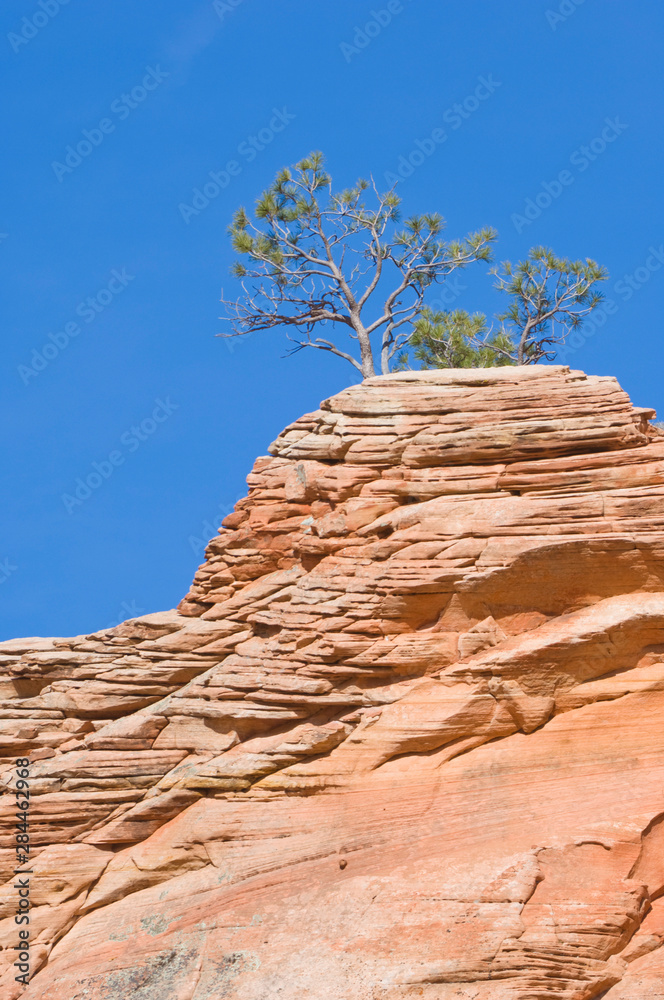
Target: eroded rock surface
pixel 404 736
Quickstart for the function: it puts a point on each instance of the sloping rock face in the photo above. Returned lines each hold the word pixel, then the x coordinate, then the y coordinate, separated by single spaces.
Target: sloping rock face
pixel 403 738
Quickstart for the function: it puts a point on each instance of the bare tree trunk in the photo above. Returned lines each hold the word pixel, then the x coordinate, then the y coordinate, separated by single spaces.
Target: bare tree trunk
pixel 366 354
pixel 368 369
pixel 385 359
pixel 522 343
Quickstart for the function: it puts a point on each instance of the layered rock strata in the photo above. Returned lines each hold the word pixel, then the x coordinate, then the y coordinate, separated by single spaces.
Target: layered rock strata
pixel 403 737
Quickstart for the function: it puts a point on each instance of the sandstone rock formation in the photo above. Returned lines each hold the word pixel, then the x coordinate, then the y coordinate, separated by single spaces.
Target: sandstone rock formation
pixel 404 736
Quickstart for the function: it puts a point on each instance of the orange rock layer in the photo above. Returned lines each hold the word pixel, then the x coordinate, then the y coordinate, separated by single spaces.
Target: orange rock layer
pixel 403 737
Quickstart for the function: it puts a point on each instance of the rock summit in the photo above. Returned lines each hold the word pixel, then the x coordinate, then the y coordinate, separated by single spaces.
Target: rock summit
pixel 403 738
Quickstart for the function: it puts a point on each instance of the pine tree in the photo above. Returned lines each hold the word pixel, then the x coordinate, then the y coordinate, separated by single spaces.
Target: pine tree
pixel 313 258
pixel 550 297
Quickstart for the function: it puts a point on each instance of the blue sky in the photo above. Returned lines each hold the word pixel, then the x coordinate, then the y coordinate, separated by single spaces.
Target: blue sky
pixel 111 297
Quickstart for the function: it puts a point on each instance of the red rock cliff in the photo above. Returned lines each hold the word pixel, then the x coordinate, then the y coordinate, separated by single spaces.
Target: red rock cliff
pixel 403 738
